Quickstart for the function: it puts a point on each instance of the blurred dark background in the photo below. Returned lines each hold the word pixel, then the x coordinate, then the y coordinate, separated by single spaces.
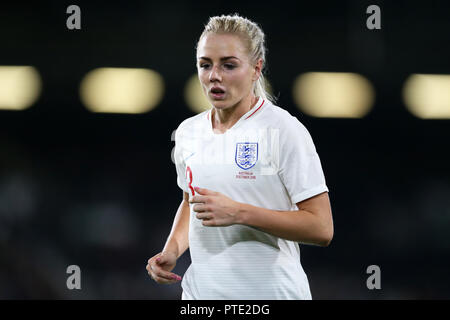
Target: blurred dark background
pixel 99 190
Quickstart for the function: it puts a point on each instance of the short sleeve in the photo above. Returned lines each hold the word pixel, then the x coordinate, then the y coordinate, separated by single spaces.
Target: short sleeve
pixel 300 167
pixel 180 164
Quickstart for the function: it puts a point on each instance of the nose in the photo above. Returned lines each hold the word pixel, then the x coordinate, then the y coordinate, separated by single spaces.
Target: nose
pixel 215 75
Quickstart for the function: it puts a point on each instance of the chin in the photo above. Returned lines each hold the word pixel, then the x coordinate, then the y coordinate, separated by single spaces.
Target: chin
pixel 220 104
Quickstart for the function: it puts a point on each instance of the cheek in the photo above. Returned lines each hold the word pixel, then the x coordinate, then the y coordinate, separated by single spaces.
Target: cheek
pixel 240 81
pixel 203 78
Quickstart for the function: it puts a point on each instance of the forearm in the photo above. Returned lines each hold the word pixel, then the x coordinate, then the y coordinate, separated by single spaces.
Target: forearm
pixel 299 226
pixel 178 240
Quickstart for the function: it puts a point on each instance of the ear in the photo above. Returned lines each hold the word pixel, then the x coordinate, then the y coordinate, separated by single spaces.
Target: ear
pixel 258 69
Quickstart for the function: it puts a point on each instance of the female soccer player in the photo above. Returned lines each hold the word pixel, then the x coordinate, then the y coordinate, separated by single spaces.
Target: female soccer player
pixel 252 181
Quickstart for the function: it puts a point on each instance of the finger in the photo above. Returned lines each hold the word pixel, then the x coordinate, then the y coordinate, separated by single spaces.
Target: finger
pixel 203 216
pixel 200 208
pixel 154 258
pixel 162 258
pixel 204 191
pixel 209 223
pixel 162 280
pixel 198 199
pixel 161 273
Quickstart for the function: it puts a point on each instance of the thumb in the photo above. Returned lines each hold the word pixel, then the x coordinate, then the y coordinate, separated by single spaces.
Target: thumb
pixel 204 191
pixel 162 258
pixel 165 257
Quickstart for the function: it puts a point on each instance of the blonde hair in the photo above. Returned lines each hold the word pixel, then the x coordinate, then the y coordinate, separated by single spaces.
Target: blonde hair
pixel 252 36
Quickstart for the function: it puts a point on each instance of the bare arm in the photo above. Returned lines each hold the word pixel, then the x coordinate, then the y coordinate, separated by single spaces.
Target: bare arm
pixel 159 266
pixel 312 223
pixel 178 240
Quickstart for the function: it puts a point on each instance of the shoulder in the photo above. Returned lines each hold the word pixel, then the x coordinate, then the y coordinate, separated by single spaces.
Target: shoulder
pixel 283 120
pixel 192 122
pixel 292 134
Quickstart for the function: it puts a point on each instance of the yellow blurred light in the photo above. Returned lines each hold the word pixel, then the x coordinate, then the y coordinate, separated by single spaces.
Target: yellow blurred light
pixel 121 90
pixel 427 96
pixel 194 95
pixel 20 86
pixel 333 94
pixel 196 98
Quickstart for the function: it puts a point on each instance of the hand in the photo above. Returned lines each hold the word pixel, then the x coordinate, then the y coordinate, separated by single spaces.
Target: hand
pixel 214 208
pixel 160 265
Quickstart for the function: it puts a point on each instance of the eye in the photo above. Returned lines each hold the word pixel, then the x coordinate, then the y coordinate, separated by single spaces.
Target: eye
pixel 229 66
pixel 204 65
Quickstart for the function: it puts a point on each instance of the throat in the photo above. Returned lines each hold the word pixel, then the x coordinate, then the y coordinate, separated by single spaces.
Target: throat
pixel 219 127
pixel 223 120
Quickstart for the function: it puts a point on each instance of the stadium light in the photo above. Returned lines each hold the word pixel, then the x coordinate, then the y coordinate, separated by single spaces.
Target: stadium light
pixel 427 96
pixel 194 96
pixel 333 94
pixel 20 86
pixel 121 90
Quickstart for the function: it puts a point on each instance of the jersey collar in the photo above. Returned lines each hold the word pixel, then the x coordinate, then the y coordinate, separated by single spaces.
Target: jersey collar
pixel 256 108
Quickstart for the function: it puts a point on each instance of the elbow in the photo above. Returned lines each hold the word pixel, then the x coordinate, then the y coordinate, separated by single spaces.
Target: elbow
pixel 325 242
pixel 327 232
pixel 326 237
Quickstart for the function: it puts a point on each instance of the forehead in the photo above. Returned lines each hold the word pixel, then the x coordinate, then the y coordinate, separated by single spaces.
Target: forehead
pixel 219 45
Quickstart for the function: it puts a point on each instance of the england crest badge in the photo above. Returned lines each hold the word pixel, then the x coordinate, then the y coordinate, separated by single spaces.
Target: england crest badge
pixel 246 154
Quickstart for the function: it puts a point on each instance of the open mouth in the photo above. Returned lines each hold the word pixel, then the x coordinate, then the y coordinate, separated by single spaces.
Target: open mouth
pixel 217 93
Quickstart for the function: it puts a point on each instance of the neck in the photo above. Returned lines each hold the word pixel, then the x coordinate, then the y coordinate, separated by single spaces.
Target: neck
pixel 226 118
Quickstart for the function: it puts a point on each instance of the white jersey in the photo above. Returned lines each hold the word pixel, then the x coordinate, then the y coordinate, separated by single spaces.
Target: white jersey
pixel 267 159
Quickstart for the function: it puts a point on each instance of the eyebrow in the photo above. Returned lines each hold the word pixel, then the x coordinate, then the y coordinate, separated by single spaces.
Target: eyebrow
pixel 221 59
